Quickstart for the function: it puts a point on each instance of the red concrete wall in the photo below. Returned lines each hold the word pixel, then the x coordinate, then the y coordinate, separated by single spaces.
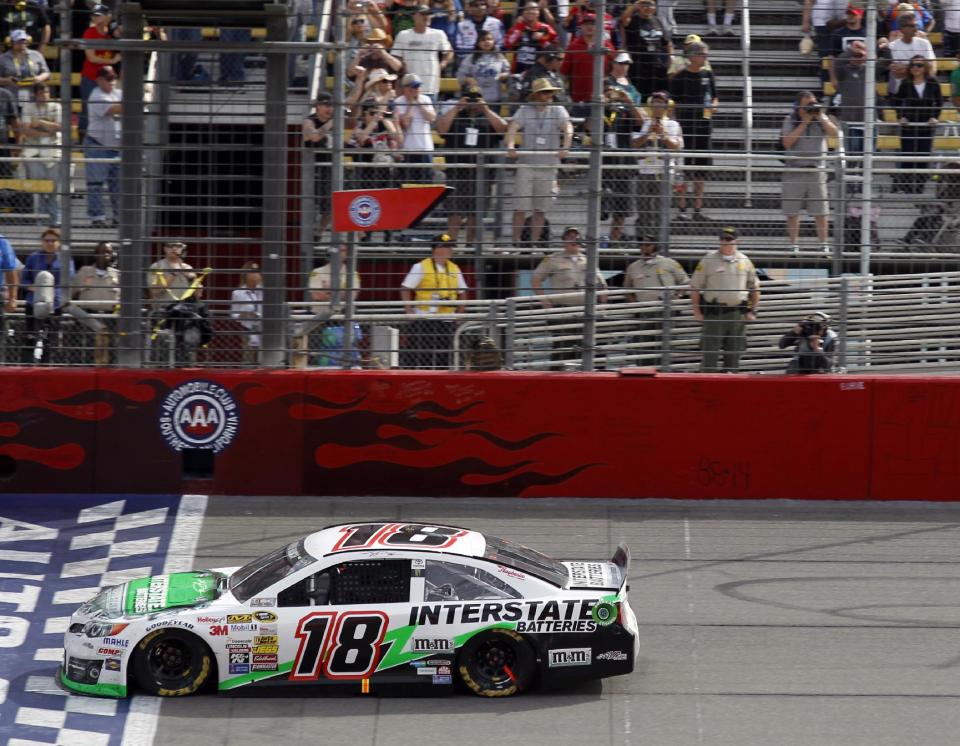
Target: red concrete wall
pixel 494 434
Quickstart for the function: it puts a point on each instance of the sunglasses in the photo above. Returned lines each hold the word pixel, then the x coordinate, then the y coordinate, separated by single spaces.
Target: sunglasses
pixel 908 25
pixel 918 64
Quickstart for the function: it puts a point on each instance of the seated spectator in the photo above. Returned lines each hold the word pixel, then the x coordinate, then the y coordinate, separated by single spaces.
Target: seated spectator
pixel 468 127
pixel 619 78
pixel 329 296
pixel 40 127
pixel 47 259
pixel 169 279
pixel 10 268
pixel 425 52
pixel 486 68
pixel 21 67
pixel 649 46
pixel 919 103
pixel 547 66
pixel 476 21
pixel 415 113
pixel 578 61
pixel 246 306
pixel 426 291
pixel 527 36
pixel 547 134
pixel 99 281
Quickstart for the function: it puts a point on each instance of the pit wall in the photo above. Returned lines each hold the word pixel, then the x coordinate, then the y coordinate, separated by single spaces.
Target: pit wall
pixel 480 434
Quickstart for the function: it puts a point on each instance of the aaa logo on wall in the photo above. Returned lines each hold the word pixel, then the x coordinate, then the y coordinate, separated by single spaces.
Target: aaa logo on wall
pixel 199 414
pixel 365 210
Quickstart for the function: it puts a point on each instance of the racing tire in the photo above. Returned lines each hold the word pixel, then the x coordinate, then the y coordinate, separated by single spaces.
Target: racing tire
pixel 497 663
pixel 172 663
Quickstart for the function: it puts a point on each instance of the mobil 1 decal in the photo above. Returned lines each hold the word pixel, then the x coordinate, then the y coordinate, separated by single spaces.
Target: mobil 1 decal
pixel 338 646
pixel 573 615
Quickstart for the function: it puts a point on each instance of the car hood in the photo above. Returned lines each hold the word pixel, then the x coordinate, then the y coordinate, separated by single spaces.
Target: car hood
pixel 157 593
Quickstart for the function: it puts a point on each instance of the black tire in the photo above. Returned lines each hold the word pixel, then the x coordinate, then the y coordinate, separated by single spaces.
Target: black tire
pixel 497 663
pixel 172 663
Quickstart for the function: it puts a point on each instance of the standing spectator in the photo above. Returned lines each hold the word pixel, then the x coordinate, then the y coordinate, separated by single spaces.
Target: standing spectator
pixel 573 23
pixel 30 17
pixel 444 17
pixel 951 27
pixel 679 62
pixel 45 260
pixel 694 89
pixel 725 296
pixel 649 45
pixel 547 133
pixel 904 49
pixel 955 81
pixel 475 22
pixel 619 78
pixel 918 102
pixel 99 281
pixel 233 64
pixel 317 130
pixel 9 279
pixel 168 279
pixel 848 75
pixel 425 51
pixel 416 115
pixel 21 68
pixel 658 137
pixel 379 88
pixel 647 277
pixel 400 14
pixel 820 18
pixel 804 135
pixel 486 68
pixel 40 126
pixel 578 61
pixel 852 31
pixel 566 274
pixel 9 126
pixel 375 137
pixel 246 306
pixel 621 122
pixel 329 296
pixel 94 60
pixel 729 12
pixel 471 127
pixel 103 143
pixel 374 55
pixel 547 65
pixel 427 290
pixel 527 36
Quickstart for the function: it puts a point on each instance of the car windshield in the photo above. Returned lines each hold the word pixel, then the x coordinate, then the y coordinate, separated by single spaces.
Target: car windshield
pixel 264 571
pixel 526 560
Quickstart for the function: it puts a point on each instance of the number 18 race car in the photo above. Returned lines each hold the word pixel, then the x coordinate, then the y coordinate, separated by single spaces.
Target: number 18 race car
pixel 364 605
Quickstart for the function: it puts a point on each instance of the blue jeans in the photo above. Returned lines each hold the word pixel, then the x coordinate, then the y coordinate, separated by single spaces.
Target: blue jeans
pixel 185 67
pixel 87 87
pixel 231 64
pixel 100 175
pixel 49 203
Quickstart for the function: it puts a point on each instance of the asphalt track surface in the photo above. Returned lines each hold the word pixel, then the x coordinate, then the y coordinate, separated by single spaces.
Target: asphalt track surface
pixel 761 623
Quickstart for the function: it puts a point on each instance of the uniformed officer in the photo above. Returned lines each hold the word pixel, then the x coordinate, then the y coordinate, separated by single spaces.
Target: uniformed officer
pixel 424 290
pixel 649 275
pixel 566 273
pixel 725 295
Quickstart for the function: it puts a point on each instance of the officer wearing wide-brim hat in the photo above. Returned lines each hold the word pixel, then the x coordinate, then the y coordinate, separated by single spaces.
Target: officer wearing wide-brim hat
pixel 725 295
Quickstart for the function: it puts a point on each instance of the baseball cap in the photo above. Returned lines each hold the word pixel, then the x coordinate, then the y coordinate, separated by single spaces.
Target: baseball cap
pixel 422 9
pixel 692 39
pixel 412 80
pixel 107 72
pixel 443 239
pixel 173 243
pixel 570 229
pixel 856 11
pixel 646 238
pixel 471 90
pixel 324 98
pixel 250 267
pixel 19 34
pixel 728 233
pixel 623 57
pixel 100 10
pixel 662 95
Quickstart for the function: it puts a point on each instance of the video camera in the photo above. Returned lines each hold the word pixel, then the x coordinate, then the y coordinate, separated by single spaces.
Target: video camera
pixel 815 323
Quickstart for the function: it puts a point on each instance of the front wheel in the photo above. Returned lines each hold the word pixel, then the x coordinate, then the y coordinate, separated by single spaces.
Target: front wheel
pixel 172 663
pixel 497 663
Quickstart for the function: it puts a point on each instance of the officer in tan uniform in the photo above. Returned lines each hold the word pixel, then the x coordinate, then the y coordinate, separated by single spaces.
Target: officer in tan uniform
pixel 649 275
pixel 566 274
pixel 725 295
pixel 99 282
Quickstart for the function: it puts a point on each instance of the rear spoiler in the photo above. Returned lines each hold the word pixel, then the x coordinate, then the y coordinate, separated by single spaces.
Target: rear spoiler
pixel 621 558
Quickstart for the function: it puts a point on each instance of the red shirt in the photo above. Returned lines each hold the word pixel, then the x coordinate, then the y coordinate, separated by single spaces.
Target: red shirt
pixel 520 38
pixel 578 67
pixel 90 69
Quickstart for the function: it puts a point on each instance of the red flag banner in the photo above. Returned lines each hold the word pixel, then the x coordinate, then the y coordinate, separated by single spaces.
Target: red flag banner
pixel 384 209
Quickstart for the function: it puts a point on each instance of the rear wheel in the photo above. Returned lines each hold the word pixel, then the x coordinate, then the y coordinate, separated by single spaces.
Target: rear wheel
pixel 497 663
pixel 172 663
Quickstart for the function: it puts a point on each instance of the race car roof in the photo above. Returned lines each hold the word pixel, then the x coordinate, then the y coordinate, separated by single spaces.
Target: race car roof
pixel 386 535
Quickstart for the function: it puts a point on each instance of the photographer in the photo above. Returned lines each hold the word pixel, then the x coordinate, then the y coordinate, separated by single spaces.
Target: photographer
pixel 804 135
pixel 816 344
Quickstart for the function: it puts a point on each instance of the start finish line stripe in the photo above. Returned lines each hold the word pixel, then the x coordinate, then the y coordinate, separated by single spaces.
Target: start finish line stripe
pixel 55 552
pixel 141 725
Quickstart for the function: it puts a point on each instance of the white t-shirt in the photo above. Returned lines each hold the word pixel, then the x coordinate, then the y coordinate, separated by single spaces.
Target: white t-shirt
pixel 951 15
pixel 824 11
pixel 900 51
pixel 421 54
pixel 651 159
pixel 418 135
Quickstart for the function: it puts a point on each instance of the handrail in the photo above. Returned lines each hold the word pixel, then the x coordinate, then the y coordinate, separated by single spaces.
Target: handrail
pixel 747 98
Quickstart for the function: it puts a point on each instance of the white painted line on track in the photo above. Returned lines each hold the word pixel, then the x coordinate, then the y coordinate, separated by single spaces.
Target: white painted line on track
pixel 694 652
pixel 141 726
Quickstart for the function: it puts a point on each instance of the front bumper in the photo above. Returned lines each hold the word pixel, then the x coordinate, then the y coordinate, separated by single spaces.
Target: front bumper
pixel 93 666
pixel 98 689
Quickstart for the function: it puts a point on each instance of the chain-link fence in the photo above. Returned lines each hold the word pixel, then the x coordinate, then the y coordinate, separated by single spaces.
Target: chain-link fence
pixel 181 160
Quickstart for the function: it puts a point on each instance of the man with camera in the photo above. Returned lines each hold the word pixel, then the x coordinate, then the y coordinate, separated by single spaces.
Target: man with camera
pixel 804 135
pixel 816 344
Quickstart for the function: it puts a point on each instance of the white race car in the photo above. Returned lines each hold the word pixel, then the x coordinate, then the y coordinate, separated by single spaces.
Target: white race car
pixel 364 605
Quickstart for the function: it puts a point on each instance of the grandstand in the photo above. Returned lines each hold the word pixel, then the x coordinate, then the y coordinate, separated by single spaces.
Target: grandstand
pixel 221 166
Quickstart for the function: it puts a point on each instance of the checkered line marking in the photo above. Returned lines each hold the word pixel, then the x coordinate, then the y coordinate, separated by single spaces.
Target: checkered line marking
pixel 98 544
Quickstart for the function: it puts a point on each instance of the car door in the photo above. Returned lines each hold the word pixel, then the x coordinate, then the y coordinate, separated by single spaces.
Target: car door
pixel 336 623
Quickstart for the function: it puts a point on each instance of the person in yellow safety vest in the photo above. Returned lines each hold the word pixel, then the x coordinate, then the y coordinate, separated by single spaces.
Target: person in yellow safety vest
pixel 427 290
pixel 169 278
